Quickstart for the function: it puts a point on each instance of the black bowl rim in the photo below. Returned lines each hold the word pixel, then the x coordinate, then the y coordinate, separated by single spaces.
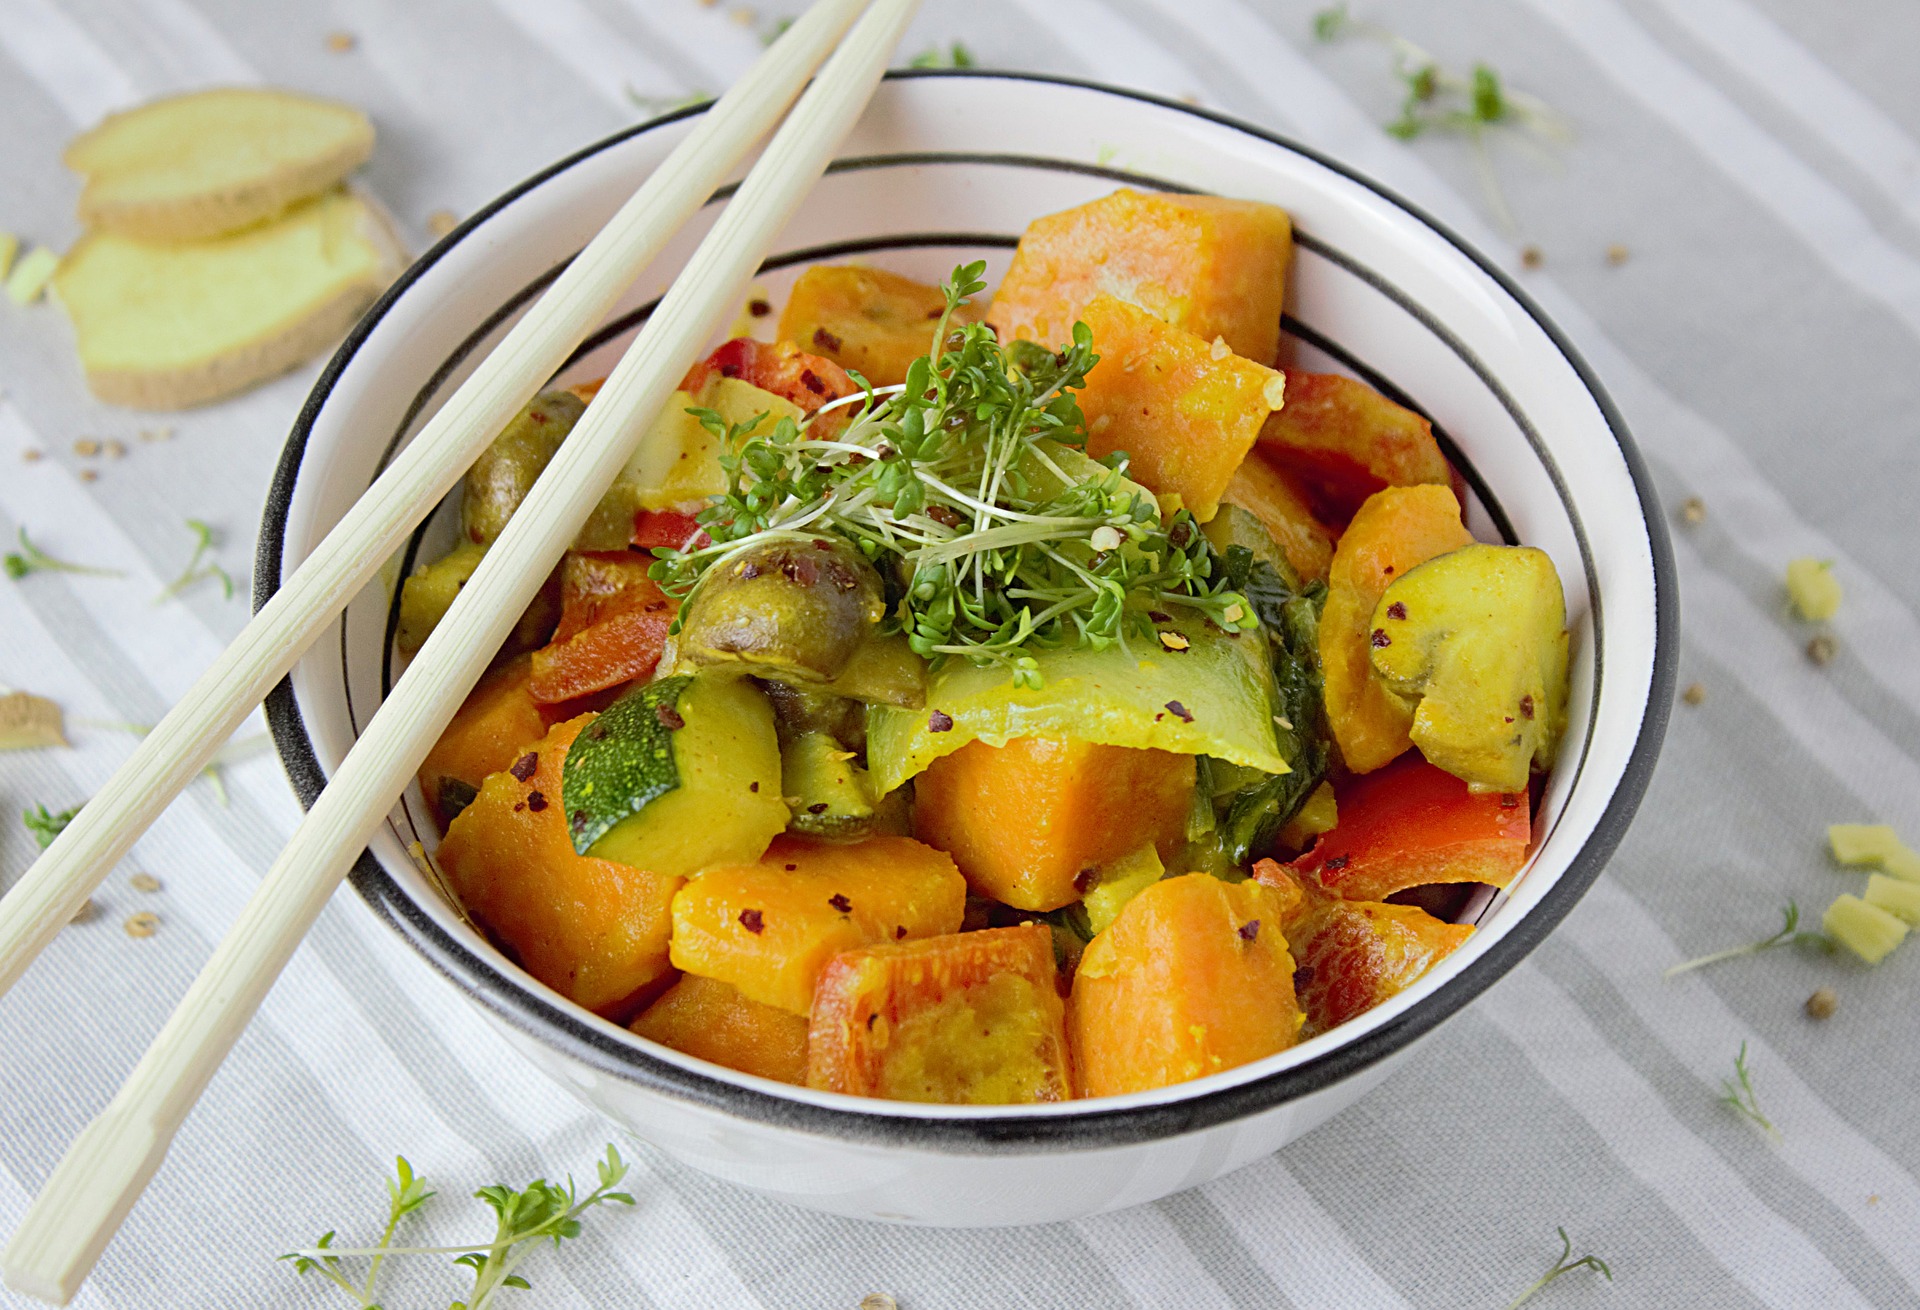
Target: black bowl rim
pixel 1010 1132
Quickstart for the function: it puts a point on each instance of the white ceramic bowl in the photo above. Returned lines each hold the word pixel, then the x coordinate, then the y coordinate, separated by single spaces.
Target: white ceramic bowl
pixel 944 168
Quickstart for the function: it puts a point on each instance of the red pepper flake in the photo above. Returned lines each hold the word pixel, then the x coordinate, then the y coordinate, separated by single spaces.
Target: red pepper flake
pixel 1396 611
pixel 818 807
pixel 840 902
pixel 1337 863
pixel 899 931
pixel 1249 930
pixel 536 801
pixel 825 339
pixel 729 370
pixel 523 768
pixel 792 867
pixel 1380 639
pixel 1389 568
pixel 749 571
pixel 753 786
pixel 811 381
pixel 1302 978
pixel 945 517
pixel 753 922
pixel 1159 617
pixel 669 717
pixel 759 308
pixel 1179 711
pixel 1086 880
pixel 1508 801
pixel 519 806
pixel 939 721
pixel 1526 707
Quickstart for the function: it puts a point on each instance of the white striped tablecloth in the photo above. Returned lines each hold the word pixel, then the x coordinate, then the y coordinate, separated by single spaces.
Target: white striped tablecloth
pixel 1758 160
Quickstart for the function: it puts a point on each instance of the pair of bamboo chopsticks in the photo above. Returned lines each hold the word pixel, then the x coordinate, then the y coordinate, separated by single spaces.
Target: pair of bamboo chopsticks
pixel 103 1172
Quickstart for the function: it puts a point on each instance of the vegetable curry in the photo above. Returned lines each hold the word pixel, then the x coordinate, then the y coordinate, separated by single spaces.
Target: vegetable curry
pixel 1051 696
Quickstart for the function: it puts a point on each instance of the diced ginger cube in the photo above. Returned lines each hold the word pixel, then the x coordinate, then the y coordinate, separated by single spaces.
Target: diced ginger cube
pixel 966 1019
pixel 1902 862
pixel 868 320
pixel 1861 843
pixel 770 927
pixel 1867 930
pixel 1896 896
pixel 1813 589
pixel 1213 266
pixel 709 1020
pixel 1185 413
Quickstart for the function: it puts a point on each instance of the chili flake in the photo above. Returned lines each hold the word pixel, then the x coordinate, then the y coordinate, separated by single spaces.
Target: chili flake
pixel 939 721
pixel 1380 639
pixel 899 931
pixel 1302 978
pixel 1337 863
pixel 669 717
pixel 1526 707
pixel 825 339
pixel 753 922
pixel 840 902
pixel 523 768
pixel 758 307
pixel 1179 711
pixel 1397 610
pixel 1250 930
pixel 818 807
pixel 536 801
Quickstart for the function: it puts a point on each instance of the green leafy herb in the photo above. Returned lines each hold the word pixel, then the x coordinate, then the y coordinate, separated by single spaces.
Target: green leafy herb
pixel 955 55
pixel 969 488
pixel 1566 1264
pixel 195 570
pixel 523 1220
pixel 31 559
pixel 45 825
pixel 1790 934
pixel 1737 1094
pixel 1436 100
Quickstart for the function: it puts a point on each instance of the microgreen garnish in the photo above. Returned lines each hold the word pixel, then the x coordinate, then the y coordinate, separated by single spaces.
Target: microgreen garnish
pixel 31 559
pixel 1737 1094
pixel 1565 1264
pixel 195 570
pixel 655 106
pixel 45 825
pixel 1790 934
pixel 542 1211
pixel 955 55
pixel 967 485
pixel 1437 100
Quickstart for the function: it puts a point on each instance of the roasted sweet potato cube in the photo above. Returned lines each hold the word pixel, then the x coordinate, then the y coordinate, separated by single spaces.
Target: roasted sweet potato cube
pixel 769 928
pixel 594 931
pixel 1349 956
pixel 1025 820
pixel 1275 498
pixel 1216 267
pixel 1413 823
pixel 1345 441
pixel 613 625
pixel 1395 531
pixel 709 1020
pixel 1194 977
pixel 492 728
pixel 1185 411
pixel 868 320
pixel 967 1019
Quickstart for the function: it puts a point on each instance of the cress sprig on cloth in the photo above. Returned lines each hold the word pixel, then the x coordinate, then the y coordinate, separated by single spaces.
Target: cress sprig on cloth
pixel 953 485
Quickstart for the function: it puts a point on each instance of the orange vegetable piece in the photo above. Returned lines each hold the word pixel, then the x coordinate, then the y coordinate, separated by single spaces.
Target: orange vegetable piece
pixel 711 1021
pixel 770 927
pixel 613 625
pixel 1276 500
pixel 1395 530
pixel 1346 441
pixel 666 527
pixel 1413 823
pixel 1186 414
pixel 1213 266
pixel 490 730
pixel 867 319
pixel 781 367
pixel 1352 955
pixel 1024 820
pixel 594 931
pixel 1194 977
pixel 967 1019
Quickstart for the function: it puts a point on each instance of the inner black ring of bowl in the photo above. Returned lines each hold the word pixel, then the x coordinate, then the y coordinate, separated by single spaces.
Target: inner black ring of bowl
pixel 1010 1132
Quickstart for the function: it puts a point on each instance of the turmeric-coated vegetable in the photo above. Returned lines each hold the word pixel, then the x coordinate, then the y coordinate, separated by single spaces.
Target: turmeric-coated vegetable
pixel 492 728
pixel 1026 820
pixel 966 1019
pixel 594 931
pixel 1275 498
pixel 1194 977
pixel 868 320
pixel 769 928
pixel 1396 530
pixel 1345 441
pixel 708 1019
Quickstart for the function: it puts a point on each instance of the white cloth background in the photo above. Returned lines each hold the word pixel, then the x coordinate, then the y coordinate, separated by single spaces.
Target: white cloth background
pixel 1760 160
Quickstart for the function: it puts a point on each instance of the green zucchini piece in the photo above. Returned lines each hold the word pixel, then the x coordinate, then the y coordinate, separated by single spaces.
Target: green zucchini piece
pixel 427 595
pixel 675 776
pixel 826 790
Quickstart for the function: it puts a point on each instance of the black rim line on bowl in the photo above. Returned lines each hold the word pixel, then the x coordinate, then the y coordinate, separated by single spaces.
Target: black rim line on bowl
pixel 1090 1128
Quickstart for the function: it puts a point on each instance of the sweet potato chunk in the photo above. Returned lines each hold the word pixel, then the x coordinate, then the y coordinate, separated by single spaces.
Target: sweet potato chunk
pixel 866 319
pixel 1352 955
pixel 967 1019
pixel 613 625
pixel 1396 530
pixel 1275 499
pixel 1186 413
pixel 594 931
pixel 1194 977
pixel 1213 266
pixel 769 928
pixel 1024 820
pixel 709 1020
pixel 1346 441
pixel 491 730
pixel 1413 823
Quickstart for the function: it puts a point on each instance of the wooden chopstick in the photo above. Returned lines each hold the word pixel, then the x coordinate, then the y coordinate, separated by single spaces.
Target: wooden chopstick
pixel 50 893
pixel 107 1166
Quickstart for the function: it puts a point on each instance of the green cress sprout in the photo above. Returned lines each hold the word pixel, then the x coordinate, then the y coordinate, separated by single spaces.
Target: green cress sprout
pixel 1564 1265
pixel 955 55
pixel 1737 1095
pixel 1790 934
pixel 46 825
pixel 953 485
pixel 195 571
pixel 31 559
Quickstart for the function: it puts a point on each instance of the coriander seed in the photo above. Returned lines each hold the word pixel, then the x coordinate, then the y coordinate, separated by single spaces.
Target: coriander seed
pixel 116 450
pixel 1822 649
pixel 86 447
pixel 89 475
pixel 1822 1004
pixel 878 1301
pixel 1532 257
pixel 32 456
pixel 1694 694
pixel 144 882
pixel 341 42
pixel 144 924
pixel 1617 254
pixel 442 221
pixel 1693 510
